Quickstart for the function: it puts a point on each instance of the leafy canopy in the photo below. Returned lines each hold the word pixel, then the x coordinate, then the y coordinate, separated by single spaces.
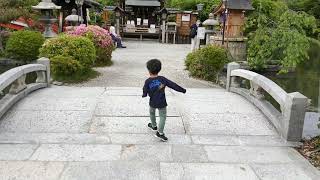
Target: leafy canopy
pixel 279 34
pixel 13 9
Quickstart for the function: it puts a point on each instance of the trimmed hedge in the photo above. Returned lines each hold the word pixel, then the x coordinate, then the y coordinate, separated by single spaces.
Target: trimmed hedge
pixel 79 48
pixel 24 45
pixel 65 66
pixel 207 62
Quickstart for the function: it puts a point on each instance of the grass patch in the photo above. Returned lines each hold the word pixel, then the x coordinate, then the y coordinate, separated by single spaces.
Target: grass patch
pixel 78 78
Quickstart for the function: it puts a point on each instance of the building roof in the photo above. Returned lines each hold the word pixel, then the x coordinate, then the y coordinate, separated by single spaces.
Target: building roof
pixel 90 3
pixel 234 4
pixel 239 4
pixel 154 3
pixel 93 3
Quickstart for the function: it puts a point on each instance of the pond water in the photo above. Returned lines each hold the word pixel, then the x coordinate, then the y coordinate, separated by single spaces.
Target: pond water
pixel 306 79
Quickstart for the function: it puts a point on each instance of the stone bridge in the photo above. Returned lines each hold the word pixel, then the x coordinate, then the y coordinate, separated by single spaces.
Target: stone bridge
pixel 89 133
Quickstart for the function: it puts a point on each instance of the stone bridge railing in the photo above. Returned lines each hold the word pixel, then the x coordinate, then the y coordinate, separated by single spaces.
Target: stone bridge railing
pixel 13 85
pixel 289 120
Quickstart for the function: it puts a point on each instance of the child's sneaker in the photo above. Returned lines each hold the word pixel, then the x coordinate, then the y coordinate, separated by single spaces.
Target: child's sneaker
pixel 162 137
pixel 152 128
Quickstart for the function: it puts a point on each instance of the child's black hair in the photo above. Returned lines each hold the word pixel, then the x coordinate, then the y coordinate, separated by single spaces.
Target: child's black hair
pixel 154 66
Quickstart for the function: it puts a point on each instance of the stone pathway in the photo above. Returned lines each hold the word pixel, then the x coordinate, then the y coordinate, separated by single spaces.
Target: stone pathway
pixel 129 68
pixel 100 133
pixel 93 133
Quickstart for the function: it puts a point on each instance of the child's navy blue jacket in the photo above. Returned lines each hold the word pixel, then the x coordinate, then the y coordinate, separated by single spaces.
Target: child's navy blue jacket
pixel 155 88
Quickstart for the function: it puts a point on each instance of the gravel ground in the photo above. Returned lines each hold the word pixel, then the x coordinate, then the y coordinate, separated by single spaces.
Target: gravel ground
pixel 129 68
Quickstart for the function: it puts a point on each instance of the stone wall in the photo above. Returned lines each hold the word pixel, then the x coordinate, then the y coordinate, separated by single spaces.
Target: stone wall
pixel 236 46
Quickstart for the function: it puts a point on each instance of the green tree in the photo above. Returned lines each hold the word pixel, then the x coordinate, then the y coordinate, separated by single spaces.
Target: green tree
pixel 107 2
pixel 192 5
pixel 278 34
pixel 13 9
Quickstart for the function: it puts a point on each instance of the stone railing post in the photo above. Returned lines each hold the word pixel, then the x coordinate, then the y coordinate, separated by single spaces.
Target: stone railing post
pixel 18 85
pixel 231 80
pixel 256 90
pixel 293 116
pixel 44 77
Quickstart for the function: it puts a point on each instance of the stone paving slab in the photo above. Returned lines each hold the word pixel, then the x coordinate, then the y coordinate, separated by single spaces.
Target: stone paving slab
pixel 67 152
pixel 16 152
pixel 228 124
pixel 128 91
pixel 235 140
pixel 244 154
pixel 206 171
pixel 55 104
pixel 153 153
pixel 115 170
pixel 53 138
pixel 216 107
pixel 281 172
pixel 27 170
pixel 68 92
pixel 189 153
pixel 219 140
pixel 129 106
pixel 46 121
pixel 310 128
pixel 275 140
pixel 217 95
pixel 174 125
pixel 117 138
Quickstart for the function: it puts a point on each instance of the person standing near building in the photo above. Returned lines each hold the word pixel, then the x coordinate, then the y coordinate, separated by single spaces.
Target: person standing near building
pixel 193 35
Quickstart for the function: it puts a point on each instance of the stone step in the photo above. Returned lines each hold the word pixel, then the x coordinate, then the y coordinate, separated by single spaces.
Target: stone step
pixel 142 138
pixel 142 170
pixel 155 153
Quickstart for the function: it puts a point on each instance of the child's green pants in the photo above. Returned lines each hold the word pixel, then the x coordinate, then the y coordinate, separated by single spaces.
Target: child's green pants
pixel 162 115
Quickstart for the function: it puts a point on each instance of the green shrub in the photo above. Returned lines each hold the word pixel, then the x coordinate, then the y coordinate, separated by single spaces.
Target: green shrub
pixel 65 66
pixel 4 36
pixel 24 45
pixel 67 69
pixel 103 57
pixel 79 48
pixel 207 62
pixel 101 39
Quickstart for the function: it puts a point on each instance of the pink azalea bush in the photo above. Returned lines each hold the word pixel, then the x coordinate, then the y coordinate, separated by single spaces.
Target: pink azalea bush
pixel 102 40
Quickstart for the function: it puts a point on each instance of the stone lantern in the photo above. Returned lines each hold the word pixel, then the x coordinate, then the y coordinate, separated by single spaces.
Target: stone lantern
pixel 46 8
pixel 74 19
pixel 210 26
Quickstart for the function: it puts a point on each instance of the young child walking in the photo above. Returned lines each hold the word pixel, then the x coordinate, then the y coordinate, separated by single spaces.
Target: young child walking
pixel 155 87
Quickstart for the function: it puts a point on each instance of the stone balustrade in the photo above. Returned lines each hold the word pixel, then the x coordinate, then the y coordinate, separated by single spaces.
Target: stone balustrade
pixel 13 85
pixel 289 120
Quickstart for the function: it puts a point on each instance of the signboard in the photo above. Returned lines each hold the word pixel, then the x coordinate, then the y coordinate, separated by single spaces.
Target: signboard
pixel 186 17
pixel 201 32
pixel 138 21
pixel 105 16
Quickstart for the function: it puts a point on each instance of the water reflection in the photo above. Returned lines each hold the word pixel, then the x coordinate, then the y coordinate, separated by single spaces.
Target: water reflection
pixel 305 80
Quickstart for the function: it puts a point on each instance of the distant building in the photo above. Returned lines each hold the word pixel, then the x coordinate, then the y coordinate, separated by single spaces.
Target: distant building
pixel 235 17
pixel 140 17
